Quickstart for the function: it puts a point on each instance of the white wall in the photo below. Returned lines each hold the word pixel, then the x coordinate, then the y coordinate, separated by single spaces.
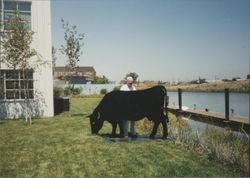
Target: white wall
pixel 43 77
pixel 41 25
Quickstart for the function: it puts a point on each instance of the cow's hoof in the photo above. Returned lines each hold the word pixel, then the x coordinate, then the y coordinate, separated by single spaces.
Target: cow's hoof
pixel 152 137
pixel 164 137
pixel 121 135
pixel 134 136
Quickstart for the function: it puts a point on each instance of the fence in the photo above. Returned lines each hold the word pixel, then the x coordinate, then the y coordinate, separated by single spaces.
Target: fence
pixel 91 88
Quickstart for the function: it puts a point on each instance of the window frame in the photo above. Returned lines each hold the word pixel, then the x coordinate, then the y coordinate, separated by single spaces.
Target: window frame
pixel 6 91
pixel 17 13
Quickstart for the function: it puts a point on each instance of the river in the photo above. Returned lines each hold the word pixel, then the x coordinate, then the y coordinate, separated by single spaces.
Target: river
pixel 215 102
pixel 239 102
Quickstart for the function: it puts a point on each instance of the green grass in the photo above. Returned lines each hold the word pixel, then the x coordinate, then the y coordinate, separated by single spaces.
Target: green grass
pixel 63 146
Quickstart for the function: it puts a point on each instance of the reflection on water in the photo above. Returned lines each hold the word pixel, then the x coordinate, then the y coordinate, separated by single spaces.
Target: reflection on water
pixel 201 126
pixel 215 102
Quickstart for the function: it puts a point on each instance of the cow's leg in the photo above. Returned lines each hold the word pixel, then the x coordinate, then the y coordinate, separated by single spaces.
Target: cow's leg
pixel 167 117
pixel 156 124
pixel 121 129
pixel 165 128
pixel 114 125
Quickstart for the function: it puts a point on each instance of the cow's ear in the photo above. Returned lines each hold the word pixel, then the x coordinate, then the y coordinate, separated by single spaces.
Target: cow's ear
pixel 89 115
pixel 98 115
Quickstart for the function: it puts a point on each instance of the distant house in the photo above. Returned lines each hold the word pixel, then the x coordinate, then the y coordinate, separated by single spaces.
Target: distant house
pixel 37 16
pixel 79 80
pixel 85 74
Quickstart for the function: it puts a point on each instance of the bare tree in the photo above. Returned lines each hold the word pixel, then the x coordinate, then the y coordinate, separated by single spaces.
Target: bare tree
pixel 72 49
pixel 17 55
pixel 54 58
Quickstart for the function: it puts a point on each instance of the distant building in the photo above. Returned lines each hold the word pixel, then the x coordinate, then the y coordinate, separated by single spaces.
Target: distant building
pixel 79 80
pixel 86 74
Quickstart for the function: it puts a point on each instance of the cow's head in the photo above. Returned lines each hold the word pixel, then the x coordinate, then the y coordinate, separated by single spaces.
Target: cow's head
pixel 96 122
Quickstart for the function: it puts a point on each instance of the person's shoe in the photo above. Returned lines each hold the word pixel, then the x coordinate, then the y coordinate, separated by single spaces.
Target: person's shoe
pixel 134 136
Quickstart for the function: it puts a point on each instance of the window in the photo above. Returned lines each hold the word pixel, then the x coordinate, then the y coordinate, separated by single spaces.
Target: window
pixel 1 15
pixel 18 9
pixel 16 84
pixel 1 85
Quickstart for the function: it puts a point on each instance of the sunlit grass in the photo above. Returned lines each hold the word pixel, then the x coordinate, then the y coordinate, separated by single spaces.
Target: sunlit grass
pixel 63 146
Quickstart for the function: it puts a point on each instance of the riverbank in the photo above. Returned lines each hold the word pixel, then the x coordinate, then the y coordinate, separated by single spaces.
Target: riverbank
pixel 242 86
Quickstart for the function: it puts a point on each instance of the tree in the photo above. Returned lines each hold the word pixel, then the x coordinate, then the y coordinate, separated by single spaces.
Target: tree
pixel 133 75
pixel 200 80
pixel 53 50
pixel 72 48
pixel 17 54
pixel 1 35
pixel 16 44
pixel 54 56
pixel 101 80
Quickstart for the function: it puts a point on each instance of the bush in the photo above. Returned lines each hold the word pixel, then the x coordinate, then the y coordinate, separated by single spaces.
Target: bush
pixel 75 91
pixel 116 88
pixel 67 91
pixel 194 82
pixel 58 92
pixel 213 143
pixel 103 91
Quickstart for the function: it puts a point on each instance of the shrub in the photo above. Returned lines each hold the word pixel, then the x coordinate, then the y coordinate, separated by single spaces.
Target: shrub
pixel 214 143
pixel 103 91
pixel 223 145
pixel 58 92
pixel 67 91
pixel 77 91
pixel 116 88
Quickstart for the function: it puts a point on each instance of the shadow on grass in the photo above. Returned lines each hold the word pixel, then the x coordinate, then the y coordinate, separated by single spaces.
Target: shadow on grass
pixel 108 138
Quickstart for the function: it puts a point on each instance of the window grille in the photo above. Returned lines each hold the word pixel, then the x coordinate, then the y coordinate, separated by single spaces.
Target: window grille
pixel 16 84
pixel 15 8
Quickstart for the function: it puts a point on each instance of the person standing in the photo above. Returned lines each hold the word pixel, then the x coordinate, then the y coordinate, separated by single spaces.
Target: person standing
pixel 129 87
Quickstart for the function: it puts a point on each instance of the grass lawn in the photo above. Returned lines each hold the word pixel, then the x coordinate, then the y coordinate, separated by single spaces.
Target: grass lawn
pixel 63 146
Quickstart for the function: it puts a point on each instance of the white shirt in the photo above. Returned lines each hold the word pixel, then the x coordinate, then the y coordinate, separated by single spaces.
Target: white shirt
pixel 126 88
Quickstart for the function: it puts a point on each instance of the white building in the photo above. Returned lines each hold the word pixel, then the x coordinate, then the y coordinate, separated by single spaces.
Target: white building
pixel 38 16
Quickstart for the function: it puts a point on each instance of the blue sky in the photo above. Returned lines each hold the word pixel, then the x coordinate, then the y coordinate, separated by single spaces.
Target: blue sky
pixel 164 40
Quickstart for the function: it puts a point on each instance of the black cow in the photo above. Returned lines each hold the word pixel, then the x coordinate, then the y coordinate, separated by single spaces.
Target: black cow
pixel 117 106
